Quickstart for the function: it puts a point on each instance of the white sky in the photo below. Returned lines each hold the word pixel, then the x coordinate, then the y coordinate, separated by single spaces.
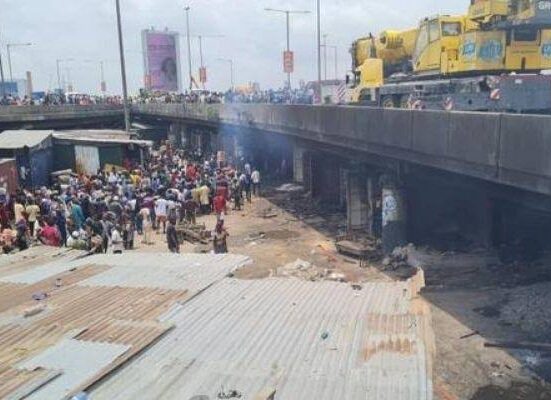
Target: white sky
pixel 254 38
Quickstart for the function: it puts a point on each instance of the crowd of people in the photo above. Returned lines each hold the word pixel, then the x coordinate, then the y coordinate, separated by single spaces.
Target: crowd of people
pixel 107 211
pixel 300 95
pixel 54 98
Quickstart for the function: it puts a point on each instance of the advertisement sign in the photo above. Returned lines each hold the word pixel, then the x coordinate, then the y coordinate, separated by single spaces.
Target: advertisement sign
pixel 288 62
pixel 161 60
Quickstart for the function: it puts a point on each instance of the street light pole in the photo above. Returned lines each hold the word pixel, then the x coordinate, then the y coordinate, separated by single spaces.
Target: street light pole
pixel 103 86
pixel 123 69
pixel 288 25
pixel 58 62
pixel 326 46
pixel 325 56
pixel 318 34
pixel 189 49
pixel 10 45
pixel 288 48
pixel 2 81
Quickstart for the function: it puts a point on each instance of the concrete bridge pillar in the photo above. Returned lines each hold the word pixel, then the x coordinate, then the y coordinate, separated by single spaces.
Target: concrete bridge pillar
pixel 357 204
pixel 394 214
pixel 173 135
pixel 298 163
pixel 185 136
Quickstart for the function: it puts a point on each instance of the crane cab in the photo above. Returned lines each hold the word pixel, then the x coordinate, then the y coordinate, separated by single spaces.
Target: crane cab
pixel 437 46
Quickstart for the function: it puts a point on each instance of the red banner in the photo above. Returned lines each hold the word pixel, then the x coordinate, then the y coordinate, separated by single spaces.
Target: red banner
pixel 288 62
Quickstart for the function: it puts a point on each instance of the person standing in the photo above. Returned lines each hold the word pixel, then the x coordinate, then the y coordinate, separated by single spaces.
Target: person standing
pixel 172 236
pixel 255 178
pixel 219 206
pixel 32 211
pixel 161 206
pixel 116 240
pixel 220 238
pixel 146 224
pixel 18 210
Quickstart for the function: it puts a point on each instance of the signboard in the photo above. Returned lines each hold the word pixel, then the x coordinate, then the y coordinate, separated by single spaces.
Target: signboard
pixel 288 62
pixel 161 60
pixel 203 74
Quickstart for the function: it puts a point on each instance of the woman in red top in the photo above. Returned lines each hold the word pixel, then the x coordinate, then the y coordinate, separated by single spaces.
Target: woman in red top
pixel 49 235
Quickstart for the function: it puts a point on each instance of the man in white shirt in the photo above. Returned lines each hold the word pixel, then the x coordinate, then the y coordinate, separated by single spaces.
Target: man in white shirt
pixel 255 178
pixel 161 211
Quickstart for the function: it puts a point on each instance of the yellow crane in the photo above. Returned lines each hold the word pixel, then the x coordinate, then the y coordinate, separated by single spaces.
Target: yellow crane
pixel 461 62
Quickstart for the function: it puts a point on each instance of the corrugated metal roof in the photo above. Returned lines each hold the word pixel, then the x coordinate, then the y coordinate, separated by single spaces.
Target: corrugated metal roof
pixel 112 312
pixel 194 272
pixel 250 336
pixel 79 360
pixel 21 383
pixel 107 136
pixel 21 138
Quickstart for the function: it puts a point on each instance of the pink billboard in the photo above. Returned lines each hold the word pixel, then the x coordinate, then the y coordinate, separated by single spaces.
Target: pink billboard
pixel 162 64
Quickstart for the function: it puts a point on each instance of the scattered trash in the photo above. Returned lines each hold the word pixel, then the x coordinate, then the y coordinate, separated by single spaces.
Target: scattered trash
pixel 38 296
pixel 289 187
pixel 301 269
pixel 336 276
pixel 473 333
pixel 230 394
pixel 356 286
pixel 325 335
pixel 34 310
pixel 80 396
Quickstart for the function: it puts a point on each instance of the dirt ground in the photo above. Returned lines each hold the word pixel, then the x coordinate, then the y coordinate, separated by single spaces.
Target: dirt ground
pixel 468 295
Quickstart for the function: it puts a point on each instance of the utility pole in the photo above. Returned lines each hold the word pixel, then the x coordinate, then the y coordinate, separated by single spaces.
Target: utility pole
pixel 288 25
pixel 201 59
pixel 189 49
pixel 10 45
pixel 123 69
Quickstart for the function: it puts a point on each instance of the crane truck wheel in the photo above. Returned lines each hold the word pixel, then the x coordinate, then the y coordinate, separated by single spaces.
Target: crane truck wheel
pixel 405 102
pixel 388 102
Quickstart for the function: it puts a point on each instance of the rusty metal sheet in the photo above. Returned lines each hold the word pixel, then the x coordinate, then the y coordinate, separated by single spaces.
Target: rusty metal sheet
pixel 14 294
pixel 87 159
pixel 16 384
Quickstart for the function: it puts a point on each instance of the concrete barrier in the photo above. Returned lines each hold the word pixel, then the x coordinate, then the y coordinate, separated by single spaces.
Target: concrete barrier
pixel 430 131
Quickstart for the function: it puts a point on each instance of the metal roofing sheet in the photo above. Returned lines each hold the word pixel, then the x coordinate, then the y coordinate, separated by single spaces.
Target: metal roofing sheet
pixel 308 340
pixel 17 383
pixel 193 272
pixel 22 138
pixel 79 361
pixel 11 264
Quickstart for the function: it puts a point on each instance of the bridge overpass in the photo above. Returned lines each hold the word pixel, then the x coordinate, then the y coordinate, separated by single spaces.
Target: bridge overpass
pixel 60 117
pixel 513 150
pixel 370 155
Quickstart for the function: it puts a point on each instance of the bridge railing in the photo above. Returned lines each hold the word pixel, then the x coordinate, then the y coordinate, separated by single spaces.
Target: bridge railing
pixel 508 148
pixel 57 109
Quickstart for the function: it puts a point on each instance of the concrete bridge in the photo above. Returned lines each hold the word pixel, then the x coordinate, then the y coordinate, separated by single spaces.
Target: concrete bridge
pixel 507 149
pixel 58 117
pixel 372 157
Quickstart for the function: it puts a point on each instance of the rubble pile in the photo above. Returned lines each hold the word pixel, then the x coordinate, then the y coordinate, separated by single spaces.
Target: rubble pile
pixel 302 270
pixel 529 309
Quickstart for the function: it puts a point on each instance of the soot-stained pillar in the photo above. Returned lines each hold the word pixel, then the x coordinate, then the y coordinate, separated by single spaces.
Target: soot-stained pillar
pixel 298 163
pixel 357 205
pixel 394 214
